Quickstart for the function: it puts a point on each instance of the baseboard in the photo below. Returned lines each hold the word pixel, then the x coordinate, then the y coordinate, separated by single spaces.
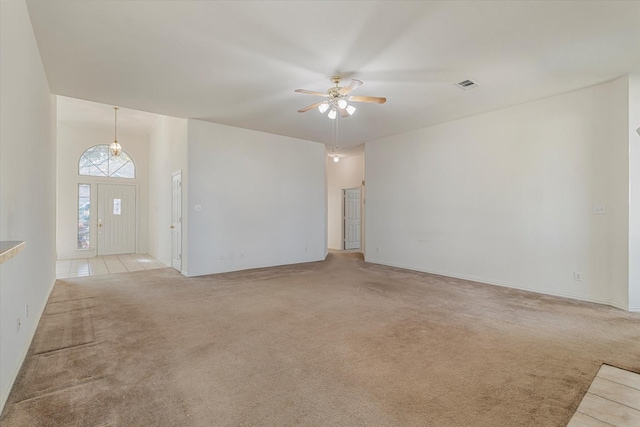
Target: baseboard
pixel 513 286
pixel 16 371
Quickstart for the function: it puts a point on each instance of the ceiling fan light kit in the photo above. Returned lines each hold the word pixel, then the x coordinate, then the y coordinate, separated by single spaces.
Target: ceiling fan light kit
pixel 338 99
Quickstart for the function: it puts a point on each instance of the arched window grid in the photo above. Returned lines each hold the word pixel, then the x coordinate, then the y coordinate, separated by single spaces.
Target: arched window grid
pixel 98 161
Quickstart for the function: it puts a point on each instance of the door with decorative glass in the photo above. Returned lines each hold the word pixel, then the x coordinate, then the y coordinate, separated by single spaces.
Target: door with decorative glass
pixel 116 219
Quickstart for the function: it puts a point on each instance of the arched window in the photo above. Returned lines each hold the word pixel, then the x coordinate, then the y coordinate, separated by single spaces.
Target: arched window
pixel 98 161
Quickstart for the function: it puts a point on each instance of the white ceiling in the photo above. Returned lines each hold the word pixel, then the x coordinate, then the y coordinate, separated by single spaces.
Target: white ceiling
pixel 237 63
pixel 73 110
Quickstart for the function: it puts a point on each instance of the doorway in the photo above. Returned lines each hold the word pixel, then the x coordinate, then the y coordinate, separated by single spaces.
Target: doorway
pixel 176 221
pixel 352 218
pixel 117 232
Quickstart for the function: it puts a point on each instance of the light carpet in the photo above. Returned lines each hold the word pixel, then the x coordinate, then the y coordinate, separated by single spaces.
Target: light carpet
pixel 334 343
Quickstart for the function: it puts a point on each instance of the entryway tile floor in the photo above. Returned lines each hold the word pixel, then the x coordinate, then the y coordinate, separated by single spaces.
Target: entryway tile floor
pixel 613 399
pixel 82 267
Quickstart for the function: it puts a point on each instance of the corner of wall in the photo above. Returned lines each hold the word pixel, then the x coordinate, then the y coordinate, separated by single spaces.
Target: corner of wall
pixel 634 192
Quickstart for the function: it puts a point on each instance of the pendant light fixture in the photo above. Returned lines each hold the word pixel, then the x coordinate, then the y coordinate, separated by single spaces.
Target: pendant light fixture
pixel 115 149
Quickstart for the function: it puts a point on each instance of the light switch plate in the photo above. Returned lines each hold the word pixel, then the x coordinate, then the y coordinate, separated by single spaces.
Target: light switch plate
pixel 197 208
pixel 599 209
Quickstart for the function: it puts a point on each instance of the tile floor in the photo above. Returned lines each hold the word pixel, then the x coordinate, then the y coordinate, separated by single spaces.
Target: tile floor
pixel 613 399
pixel 82 267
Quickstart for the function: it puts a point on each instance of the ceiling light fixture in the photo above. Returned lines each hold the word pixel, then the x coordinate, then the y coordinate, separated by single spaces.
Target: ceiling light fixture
pixel 338 98
pixel 115 149
pixel 333 106
pixel 336 159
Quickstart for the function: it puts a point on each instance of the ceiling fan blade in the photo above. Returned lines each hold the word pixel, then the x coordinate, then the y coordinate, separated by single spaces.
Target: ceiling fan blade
pixel 310 107
pixel 353 84
pixel 311 92
pixel 372 99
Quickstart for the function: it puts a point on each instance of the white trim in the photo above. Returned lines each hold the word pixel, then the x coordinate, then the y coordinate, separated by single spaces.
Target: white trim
pixel 173 175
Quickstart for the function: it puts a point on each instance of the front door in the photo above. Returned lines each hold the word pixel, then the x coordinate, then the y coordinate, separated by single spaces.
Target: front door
pixel 176 222
pixel 352 218
pixel 116 219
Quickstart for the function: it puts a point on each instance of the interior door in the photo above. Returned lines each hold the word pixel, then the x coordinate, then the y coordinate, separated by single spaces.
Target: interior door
pixel 352 219
pixel 116 219
pixel 176 222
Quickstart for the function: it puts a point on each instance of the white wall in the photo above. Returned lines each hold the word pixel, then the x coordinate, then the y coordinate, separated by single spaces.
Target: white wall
pixel 617 144
pixel 347 173
pixel 634 192
pixel 27 188
pixel 262 199
pixel 507 197
pixel 168 154
pixel 73 140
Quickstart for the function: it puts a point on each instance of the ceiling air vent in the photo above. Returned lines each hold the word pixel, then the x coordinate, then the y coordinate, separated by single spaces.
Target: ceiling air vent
pixel 467 84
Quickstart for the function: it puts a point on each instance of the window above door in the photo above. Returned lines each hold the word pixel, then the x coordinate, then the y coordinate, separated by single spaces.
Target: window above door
pixel 98 161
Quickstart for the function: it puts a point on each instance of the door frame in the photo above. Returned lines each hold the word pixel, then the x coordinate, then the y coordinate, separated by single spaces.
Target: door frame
pixel 173 176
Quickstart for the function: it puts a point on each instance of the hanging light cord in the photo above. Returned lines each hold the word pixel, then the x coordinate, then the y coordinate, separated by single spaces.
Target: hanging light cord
pixel 335 133
pixel 115 127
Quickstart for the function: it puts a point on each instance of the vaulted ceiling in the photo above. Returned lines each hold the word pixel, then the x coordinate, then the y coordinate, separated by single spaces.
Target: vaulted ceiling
pixel 238 62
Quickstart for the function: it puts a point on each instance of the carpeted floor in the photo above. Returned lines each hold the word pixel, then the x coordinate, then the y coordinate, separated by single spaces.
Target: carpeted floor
pixel 335 343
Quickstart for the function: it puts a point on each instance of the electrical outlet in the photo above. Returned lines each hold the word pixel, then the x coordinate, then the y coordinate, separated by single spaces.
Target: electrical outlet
pixel 378 249
pixel 599 209
pixel 26 311
pixel 577 276
pixel 241 254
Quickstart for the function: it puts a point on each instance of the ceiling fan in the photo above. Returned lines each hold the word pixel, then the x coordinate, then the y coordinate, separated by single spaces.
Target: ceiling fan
pixel 338 99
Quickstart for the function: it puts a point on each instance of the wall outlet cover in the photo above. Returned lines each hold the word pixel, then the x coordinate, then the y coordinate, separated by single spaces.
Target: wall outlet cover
pixel 600 209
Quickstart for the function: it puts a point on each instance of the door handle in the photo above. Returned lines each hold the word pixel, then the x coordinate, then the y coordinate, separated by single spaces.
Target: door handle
pixel 172 226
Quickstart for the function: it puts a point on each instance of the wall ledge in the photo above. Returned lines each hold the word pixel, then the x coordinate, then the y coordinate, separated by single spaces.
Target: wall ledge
pixel 10 248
